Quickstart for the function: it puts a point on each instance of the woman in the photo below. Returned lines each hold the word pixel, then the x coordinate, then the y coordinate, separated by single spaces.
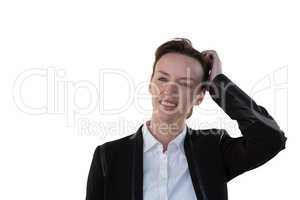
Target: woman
pixel 166 159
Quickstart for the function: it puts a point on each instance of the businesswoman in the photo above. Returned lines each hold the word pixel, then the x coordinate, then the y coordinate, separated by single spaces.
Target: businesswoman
pixel 166 159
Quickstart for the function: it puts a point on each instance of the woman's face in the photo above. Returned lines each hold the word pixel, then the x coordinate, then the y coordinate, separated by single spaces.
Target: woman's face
pixel 175 86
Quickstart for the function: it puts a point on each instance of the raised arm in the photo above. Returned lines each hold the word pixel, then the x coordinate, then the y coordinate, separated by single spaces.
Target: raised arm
pixel 262 137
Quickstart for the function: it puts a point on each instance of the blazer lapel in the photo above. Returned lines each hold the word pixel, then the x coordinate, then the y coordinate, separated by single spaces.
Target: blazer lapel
pixel 194 169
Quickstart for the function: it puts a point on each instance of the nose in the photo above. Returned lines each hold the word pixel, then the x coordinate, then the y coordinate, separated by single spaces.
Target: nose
pixel 170 88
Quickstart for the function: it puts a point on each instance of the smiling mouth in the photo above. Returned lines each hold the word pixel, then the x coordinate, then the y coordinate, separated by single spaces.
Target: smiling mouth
pixel 167 105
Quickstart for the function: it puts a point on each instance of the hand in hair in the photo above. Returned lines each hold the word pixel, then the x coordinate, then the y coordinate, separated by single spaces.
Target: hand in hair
pixel 211 57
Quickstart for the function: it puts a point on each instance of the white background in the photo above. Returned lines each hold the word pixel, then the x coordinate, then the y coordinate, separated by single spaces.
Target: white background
pixel 48 135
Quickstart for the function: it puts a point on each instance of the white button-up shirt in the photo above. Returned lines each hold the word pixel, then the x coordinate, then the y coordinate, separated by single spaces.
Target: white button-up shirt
pixel 166 175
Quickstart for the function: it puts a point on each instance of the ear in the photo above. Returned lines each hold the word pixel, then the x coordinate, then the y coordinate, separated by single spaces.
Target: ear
pixel 199 97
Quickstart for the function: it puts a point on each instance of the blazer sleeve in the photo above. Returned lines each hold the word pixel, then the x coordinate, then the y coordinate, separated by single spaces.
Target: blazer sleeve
pixel 95 189
pixel 262 138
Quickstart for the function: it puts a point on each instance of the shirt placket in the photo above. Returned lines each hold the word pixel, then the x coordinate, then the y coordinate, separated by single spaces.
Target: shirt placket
pixel 163 178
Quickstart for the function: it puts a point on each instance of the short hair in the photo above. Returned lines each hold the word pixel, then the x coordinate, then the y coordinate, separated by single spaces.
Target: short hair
pixel 183 46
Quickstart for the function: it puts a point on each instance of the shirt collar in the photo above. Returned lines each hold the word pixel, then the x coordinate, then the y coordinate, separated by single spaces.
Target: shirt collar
pixel 150 140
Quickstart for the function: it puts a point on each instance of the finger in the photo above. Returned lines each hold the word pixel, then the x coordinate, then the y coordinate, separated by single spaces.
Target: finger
pixel 213 53
pixel 209 57
pixel 205 55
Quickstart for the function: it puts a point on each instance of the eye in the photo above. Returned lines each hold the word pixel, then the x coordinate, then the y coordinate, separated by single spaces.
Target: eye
pixel 186 85
pixel 162 79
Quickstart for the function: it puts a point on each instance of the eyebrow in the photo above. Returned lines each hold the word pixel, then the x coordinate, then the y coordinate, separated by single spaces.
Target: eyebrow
pixel 165 73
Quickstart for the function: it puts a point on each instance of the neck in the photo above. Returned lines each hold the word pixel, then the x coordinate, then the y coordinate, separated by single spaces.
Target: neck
pixel 165 132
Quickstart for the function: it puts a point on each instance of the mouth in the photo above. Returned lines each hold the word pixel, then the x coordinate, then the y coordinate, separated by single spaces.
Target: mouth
pixel 168 105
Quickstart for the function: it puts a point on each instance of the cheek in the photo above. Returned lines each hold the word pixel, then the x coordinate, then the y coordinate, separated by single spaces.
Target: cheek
pixel 154 88
pixel 185 95
pixel 185 100
pixel 157 90
pixel 156 94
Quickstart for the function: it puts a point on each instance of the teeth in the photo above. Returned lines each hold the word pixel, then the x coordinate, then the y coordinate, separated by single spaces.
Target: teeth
pixel 167 103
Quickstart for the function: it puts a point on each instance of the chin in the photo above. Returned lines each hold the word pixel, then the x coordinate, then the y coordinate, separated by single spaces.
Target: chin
pixel 168 117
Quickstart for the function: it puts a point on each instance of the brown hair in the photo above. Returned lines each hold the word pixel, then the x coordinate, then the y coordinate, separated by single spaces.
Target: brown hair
pixel 182 46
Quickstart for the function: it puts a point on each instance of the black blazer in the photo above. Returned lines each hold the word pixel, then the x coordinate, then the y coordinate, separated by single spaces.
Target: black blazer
pixel 213 157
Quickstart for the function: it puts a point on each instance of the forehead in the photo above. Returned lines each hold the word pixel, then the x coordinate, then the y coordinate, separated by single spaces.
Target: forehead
pixel 179 65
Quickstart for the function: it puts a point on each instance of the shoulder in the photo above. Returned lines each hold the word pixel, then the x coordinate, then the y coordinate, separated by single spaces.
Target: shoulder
pixel 116 146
